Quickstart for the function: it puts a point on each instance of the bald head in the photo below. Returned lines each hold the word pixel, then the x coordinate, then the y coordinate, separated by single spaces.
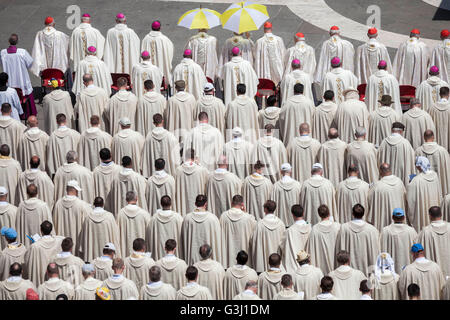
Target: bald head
pixel 32 121
pixel 304 129
pixel 222 162
pixel 428 136
pixel 333 133
pixel 35 162
pixel 87 79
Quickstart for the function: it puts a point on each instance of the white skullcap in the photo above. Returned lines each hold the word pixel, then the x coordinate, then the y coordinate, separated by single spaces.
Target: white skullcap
pixel 208 86
pixel 236 131
pixel 74 184
pixel 317 165
pixel 286 167
pixel 110 246
pixel 88 268
pixel 125 121
pixel 3 191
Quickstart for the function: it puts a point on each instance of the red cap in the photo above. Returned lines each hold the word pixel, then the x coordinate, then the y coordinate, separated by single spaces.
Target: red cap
pixel 86 15
pixel 267 25
pixel 334 28
pixel 372 31
pixel 445 33
pixel 299 35
pixel 48 20
pixel 416 31
pixel 32 295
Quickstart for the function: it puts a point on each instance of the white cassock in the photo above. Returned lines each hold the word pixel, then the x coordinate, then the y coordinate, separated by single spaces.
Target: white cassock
pixel 16 65
pixel 122 104
pixel 332 156
pixel 50 51
pixel 11 132
pixel 121 49
pixel 92 140
pixel 440 113
pixel 272 152
pixel 204 53
pixel 382 83
pixel 60 142
pixel 303 52
pixel 74 171
pixel 193 77
pixel 269 55
pixel 142 71
pixel 10 171
pixel 246 47
pixel 411 62
pixel 242 112
pixel 215 109
pixel 368 55
pixel 149 104
pixel 10 96
pixel 291 79
pixel 239 153
pixel 207 142
pixel 83 37
pixel 91 101
pixel 302 152
pixel 441 59
pixel 99 71
pixel 334 47
pixel 380 123
pixel 57 101
pixel 161 52
pixel 238 71
pixel 33 142
pixel 338 80
pixel 316 191
pixel 428 91
pixel 322 120
pixel 128 142
pixel 46 189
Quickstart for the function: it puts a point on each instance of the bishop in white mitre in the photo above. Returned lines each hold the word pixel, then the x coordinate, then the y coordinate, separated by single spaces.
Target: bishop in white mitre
pixel 338 80
pixel 382 83
pixel 334 47
pixel 161 50
pixel 192 74
pixel 428 91
pixel 145 70
pixel 83 37
pixel 235 72
pixel 302 52
pixel 412 60
pixel 204 52
pixel 441 55
pixel 97 68
pixel 269 55
pixel 121 47
pixel 50 49
pixel 297 75
pixel 368 55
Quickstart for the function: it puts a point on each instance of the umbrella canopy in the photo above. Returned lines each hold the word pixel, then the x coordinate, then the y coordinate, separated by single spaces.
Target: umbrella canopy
pixel 244 16
pixel 200 18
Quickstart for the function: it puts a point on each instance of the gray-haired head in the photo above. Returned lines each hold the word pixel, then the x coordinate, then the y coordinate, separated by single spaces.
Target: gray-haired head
pixel 360 132
pixel 251 284
pixel 71 156
pixel 414 102
pixel 131 196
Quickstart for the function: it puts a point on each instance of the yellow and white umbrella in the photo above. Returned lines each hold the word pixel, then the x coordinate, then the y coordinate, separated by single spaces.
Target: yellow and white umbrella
pixel 200 18
pixel 244 16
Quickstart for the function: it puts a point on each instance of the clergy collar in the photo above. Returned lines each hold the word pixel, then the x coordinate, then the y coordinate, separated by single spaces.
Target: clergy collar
pixel 64 254
pixel 345 268
pixel 240 266
pixel 98 209
pixel 5 117
pixel 127 169
pixel 155 284
pixel 358 221
pixel 200 211
pixel 221 170
pixel 443 100
pixel 14 279
pixel 107 164
pixel 352 178
pixel 105 258
pixel 170 256
pixel 62 128
pixel 116 276
pixel 249 292
pixel 270 216
pixel 71 197
pixel 53 279
pixel 396 134
pixel 300 222
pixel 34 130
pixel 287 178
pixel 160 173
pixel 91 86
pixel 275 269
pixel 191 284
pixel 3 203
pixel 421 259
pixel 325 295
pixel 256 174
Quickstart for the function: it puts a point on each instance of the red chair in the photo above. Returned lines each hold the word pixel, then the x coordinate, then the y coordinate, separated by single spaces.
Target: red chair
pixel 46 76
pixel 407 92
pixel 266 88
pixel 24 102
pixel 210 80
pixel 116 76
pixel 362 91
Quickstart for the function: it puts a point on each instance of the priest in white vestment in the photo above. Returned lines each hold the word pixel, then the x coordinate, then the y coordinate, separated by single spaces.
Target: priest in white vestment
pixel 159 184
pixel 50 49
pixel 428 91
pixel 423 192
pixel 369 55
pixel 238 276
pixel 91 101
pixel 150 103
pixel 381 120
pixel 54 286
pixel 160 143
pixel 338 79
pixel 16 62
pixel 335 46
pixel 97 68
pixel 412 60
pixel 239 153
pixel 425 273
pixel 256 190
pixel 296 75
pixel 249 292
pixel 11 130
pixel 38 177
pixel 10 171
pixel 143 71
pixel 222 186
pixel 303 52
pixel 128 142
pixel 139 263
pixel 8 214
pixel 269 55
pixel 439 159
pixel 193 290
pixel 71 170
pixel 270 114
pixel 396 151
pixel 210 272
pixel 83 37
pixel 120 287
pixel 332 155
pixel 381 83
pixel 242 112
pixel 306 276
pixel 207 141
pixel 87 289
pixel 269 280
pixel 200 227
pixel 267 237
pixel 441 54
pixel 104 173
pixel 56 102
pixel 440 113
pixel 416 121
pixel 32 143
pixel 173 269
pixel 121 47
pixel 238 71
pixel 192 74
pixel 161 50
pixel 213 106
pixel 14 287
pixel 204 52
pixel 316 191
pixel 122 104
